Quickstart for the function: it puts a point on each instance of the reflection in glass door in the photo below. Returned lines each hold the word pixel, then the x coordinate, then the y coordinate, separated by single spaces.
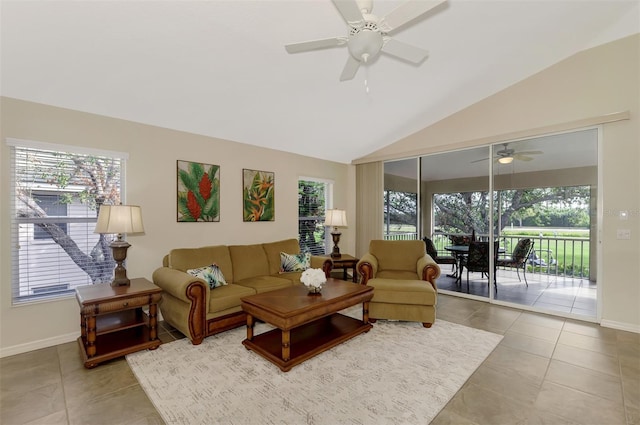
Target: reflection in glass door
pixel 546 191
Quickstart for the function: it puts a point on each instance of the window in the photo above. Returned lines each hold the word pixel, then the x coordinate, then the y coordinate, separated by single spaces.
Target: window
pixel 53 205
pixel 313 200
pixel 400 215
pixel 57 193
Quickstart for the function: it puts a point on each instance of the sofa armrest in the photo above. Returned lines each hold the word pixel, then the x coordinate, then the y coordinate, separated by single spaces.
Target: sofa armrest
pixel 367 267
pixel 323 263
pixel 428 269
pixel 176 282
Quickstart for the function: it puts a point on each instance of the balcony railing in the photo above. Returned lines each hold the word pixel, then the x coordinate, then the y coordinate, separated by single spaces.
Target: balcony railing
pixel 552 255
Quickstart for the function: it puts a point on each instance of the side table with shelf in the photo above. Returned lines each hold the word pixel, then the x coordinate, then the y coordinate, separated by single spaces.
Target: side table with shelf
pixel 113 322
pixel 346 262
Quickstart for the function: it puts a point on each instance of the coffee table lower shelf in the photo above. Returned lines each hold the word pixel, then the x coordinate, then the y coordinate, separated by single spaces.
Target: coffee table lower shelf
pixel 306 340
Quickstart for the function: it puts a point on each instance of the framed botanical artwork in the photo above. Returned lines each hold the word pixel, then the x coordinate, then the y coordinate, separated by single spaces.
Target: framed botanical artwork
pixel 198 192
pixel 258 196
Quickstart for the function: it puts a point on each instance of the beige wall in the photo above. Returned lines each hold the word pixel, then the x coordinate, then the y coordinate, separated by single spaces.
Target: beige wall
pixel 151 183
pixel 583 89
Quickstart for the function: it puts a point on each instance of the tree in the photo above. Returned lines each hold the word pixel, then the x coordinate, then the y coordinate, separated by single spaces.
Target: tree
pixel 401 208
pixel 311 208
pixel 468 211
pixel 90 180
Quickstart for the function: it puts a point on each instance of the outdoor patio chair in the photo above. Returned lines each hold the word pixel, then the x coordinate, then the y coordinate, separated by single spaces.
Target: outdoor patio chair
pixel 440 259
pixel 518 259
pixel 537 261
pixel 478 260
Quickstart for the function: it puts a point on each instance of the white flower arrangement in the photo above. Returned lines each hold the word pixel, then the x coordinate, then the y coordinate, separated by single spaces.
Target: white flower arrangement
pixel 313 279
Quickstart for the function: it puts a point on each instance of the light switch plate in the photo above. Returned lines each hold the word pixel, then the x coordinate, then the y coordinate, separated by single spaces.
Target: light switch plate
pixel 623 234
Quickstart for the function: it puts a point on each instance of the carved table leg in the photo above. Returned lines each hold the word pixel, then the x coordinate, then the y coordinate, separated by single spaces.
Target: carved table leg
pixel 91 336
pixel 250 324
pixel 153 322
pixel 286 349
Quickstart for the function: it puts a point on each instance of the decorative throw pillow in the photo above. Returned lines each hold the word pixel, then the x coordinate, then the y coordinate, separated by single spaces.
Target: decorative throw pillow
pixel 210 274
pixel 294 262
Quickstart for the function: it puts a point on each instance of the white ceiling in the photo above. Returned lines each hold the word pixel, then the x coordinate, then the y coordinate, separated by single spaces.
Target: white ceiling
pixel 219 68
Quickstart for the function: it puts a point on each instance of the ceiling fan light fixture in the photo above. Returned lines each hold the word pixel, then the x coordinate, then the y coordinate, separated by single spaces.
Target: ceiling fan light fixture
pixel 505 160
pixel 365 44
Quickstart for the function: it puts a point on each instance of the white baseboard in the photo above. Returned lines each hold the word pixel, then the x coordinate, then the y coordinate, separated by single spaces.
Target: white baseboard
pixel 621 326
pixel 36 345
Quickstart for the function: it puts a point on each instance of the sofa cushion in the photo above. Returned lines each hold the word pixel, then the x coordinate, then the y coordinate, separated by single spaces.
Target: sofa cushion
pixel 184 259
pixel 273 250
pixel 294 262
pixel 228 296
pixel 210 274
pixel 265 283
pixel 248 261
pixel 392 291
pixel 398 274
pixel 397 255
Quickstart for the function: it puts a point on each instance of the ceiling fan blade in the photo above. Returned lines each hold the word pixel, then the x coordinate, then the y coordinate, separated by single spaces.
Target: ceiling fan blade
pixel 404 51
pixel 405 13
pixel 478 160
pixel 325 43
pixel 350 12
pixel 531 153
pixel 350 69
pixel 521 157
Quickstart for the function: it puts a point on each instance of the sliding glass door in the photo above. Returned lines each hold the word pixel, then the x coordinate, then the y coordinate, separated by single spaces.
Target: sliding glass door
pixel 541 189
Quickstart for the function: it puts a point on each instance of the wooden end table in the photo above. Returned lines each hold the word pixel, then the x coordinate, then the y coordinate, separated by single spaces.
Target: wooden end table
pixel 112 322
pixel 346 262
pixel 306 325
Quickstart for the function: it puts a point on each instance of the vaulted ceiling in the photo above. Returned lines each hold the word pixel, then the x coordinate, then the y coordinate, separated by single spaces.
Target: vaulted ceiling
pixel 219 68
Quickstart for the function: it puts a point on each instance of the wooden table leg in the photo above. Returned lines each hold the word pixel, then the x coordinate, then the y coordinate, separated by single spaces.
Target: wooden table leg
pixel 91 336
pixel 365 312
pixel 153 322
pixel 250 323
pixel 286 349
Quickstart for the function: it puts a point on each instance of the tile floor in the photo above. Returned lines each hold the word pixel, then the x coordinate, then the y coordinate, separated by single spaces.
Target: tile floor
pixel 548 292
pixel 546 370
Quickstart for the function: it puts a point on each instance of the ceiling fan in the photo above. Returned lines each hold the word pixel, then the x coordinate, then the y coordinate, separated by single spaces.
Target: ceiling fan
pixel 506 155
pixel 368 33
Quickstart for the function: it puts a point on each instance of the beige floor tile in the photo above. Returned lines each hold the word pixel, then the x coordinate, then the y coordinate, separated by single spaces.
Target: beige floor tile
pixel 449 417
pixel 541 320
pixel 523 365
pixel 125 406
pixel 590 329
pixel 528 344
pixel 586 380
pixel 537 417
pixel 40 402
pixel 56 418
pixel 587 342
pixel 587 359
pixel 633 416
pixel 578 406
pixel 483 406
pixel 506 383
pixel 84 385
pixel 536 331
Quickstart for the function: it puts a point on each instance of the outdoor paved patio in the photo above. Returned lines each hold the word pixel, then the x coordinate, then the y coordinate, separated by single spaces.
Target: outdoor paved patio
pixel 548 292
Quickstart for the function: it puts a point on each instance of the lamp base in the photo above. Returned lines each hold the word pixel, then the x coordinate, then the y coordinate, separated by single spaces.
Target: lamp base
pixel 119 248
pixel 336 239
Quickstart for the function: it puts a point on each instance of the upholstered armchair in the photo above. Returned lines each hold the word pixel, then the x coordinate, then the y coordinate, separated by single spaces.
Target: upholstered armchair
pixel 404 280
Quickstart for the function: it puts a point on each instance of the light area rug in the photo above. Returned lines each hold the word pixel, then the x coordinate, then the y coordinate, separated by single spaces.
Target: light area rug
pixel 397 373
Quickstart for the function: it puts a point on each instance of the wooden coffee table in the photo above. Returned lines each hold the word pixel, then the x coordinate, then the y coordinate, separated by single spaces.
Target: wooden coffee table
pixel 306 324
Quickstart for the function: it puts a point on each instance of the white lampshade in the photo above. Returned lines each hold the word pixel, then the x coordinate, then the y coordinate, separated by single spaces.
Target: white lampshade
pixel 505 160
pixel 119 219
pixel 336 218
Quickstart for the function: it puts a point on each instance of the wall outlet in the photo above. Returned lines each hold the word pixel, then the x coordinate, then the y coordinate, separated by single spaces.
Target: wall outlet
pixel 623 234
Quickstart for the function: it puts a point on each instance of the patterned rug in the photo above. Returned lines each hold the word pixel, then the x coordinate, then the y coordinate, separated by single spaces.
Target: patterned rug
pixel 397 373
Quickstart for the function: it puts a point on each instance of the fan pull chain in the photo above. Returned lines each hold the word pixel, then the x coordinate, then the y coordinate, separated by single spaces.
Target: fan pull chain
pixel 366 74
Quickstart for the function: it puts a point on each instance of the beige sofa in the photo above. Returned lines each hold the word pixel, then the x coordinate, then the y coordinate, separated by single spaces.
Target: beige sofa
pixel 404 277
pixel 189 305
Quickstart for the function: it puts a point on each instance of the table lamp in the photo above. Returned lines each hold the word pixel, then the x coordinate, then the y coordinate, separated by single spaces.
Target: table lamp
pixel 336 218
pixel 119 219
